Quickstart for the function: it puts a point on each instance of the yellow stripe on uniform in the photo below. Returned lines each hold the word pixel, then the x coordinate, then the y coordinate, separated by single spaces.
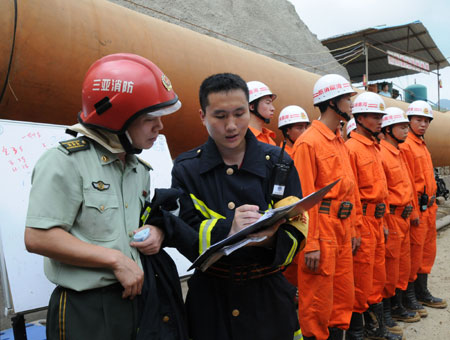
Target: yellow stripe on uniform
pixel 62 315
pixel 298 335
pixel 205 211
pixel 293 249
pixel 204 233
pixel 207 225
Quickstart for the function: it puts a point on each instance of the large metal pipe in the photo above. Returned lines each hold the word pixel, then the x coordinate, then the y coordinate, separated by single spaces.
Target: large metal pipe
pixel 57 40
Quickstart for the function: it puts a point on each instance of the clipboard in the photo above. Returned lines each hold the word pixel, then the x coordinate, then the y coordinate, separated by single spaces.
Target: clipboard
pixel 217 250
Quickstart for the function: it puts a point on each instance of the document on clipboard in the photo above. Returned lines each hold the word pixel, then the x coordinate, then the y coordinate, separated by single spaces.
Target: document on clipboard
pixel 240 239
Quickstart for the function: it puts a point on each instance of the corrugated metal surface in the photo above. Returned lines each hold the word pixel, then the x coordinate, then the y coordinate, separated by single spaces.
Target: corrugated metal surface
pixel 411 40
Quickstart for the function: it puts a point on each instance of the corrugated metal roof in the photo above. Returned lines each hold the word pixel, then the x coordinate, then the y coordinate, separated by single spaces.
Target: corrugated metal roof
pixel 411 40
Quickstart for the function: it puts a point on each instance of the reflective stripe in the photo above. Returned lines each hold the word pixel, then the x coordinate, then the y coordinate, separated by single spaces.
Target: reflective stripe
pixel 205 234
pixel 207 225
pixel 292 251
pixel 205 211
pixel 298 335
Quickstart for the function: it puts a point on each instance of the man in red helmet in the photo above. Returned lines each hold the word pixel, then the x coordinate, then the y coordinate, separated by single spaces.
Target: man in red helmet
pixel 86 198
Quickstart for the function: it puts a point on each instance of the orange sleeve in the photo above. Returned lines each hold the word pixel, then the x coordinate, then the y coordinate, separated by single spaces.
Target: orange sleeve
pixel 415 203
pixel 358 208
pixel 305 162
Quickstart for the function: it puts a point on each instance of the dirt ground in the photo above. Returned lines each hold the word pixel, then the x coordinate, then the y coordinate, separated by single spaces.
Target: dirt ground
pixel 436 326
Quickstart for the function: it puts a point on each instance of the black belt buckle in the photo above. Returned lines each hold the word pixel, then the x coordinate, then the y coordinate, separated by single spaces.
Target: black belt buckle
pixel 345 209
pixel 380 209
pixel 407 211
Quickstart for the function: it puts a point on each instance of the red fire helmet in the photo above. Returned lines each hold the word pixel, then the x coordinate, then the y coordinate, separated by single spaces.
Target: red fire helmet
pixel 120 87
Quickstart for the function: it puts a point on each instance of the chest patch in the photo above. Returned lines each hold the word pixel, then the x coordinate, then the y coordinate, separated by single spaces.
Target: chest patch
pixel 100 185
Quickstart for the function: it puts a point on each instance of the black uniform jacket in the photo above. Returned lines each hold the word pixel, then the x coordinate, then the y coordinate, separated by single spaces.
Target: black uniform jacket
pixel 227 302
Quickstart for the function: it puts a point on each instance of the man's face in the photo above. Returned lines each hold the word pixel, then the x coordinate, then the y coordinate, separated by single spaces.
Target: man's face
pixel 296 130
pixel 372 121
pixel 265 107
pixel 144 130
pixel 419 124
pixel 345 104
pixel 226 118
pixel 400 130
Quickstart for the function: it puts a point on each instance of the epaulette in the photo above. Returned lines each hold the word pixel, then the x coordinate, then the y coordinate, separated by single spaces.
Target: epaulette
pixel 144 163
pixel 75 145
pixel 194 153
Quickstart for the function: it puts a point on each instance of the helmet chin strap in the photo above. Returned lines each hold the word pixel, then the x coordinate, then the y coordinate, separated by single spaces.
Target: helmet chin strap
pixel 338 111
pixel 415 134
pixel 397 139
pixel 372 133
pixel 257 114
pixel 126 142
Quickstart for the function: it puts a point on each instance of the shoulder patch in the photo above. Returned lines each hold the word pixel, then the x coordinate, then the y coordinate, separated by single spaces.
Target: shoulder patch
pixel 194 153
pixel 144 163
pixel 76 144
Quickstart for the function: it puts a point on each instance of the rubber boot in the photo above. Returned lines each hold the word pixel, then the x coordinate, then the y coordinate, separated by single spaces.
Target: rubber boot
pixel 399 312
pixel 309 337
pixel 424 296
pixel 391 325
pixel 410 302
pixel 335 333
pixel 374 327
pixel 356 329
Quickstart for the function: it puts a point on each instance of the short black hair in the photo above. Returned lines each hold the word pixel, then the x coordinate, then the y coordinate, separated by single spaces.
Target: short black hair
pixel 221 82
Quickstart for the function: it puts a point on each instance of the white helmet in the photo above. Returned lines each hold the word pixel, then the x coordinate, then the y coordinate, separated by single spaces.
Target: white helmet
pixel 331 86
pixel 292 114
pixel 257 89
pixel 351 125
pixel 420 108
pixel 368 102
pixel 394 115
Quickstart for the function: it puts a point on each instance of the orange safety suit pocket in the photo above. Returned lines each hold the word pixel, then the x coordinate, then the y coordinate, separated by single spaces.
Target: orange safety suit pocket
pixel 327 263
pixel 365 173
pixel 329 166
pixel 393 245
pixel 394 176
pixel 366 249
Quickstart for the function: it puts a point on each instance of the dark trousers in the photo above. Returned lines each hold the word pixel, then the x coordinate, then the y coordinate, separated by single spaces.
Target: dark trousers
pixel 95 314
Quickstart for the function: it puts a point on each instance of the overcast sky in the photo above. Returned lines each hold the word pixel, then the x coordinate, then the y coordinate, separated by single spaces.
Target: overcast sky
pixel 327 18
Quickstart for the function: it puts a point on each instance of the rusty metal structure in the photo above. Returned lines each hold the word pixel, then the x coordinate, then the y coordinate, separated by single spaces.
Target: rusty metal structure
pixel 47 46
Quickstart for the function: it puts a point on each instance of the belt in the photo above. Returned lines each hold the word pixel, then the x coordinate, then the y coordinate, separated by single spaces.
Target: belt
pixel 432 199
pixel 241 273
pixel 374 209
pixel 336 208
pixel 403 211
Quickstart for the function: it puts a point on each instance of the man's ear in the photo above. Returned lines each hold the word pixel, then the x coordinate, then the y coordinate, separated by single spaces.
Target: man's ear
pixel 251 107
pixel 202 116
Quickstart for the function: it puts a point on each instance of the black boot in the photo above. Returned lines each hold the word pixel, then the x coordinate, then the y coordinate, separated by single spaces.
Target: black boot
pixel 391 325
pixel 309 337
pixel 424 295
pixel 399 312
pixel 374 327
pixel 410 302
pixel 356 330
pixel 335 333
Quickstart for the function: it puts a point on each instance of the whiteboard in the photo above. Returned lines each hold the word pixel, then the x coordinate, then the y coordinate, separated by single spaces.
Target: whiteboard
pixel 21 145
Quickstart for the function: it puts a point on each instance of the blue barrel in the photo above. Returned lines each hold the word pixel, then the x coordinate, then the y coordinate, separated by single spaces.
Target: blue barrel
pixel 415 92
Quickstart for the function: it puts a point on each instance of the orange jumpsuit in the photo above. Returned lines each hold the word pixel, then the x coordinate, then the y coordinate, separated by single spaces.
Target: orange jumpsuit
pixel 423 237
pixel 326 296
pixel 368 263
pixel 265 136
pixel 401 196
pixel 291 271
